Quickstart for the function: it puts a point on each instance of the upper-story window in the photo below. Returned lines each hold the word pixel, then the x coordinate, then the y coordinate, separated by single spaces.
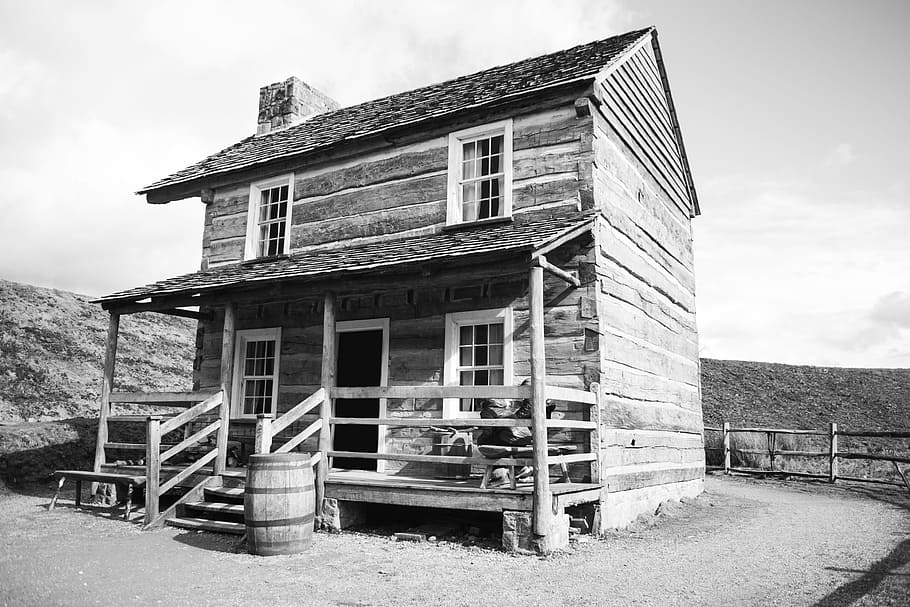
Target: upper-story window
pixel 267 222
pixel 480 173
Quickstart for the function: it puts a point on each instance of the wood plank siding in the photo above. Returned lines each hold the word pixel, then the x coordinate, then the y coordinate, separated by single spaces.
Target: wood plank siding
pixel 401 191
pixel 651 443
pixel 417 342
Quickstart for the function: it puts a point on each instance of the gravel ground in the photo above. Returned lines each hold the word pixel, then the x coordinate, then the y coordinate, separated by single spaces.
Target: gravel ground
pixel 744 542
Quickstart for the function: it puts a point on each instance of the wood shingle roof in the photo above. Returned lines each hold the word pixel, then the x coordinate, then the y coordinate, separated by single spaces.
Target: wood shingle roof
pixel 447 246
pixel 463 93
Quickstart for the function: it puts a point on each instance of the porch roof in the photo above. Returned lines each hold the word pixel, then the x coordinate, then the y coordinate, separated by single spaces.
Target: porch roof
pixel 447 246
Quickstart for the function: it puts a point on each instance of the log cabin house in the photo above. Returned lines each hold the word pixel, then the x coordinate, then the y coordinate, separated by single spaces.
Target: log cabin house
pixel 371 273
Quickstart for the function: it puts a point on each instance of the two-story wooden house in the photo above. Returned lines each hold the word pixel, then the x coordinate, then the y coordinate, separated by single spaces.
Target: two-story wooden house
pixel 371 273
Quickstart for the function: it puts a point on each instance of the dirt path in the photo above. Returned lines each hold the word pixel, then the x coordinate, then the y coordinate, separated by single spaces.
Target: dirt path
pixel 745 542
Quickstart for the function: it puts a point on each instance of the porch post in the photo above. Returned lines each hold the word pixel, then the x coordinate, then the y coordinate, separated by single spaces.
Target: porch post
pixel 325 410
pixel 227 379
pixel 542 498
pixel 107 385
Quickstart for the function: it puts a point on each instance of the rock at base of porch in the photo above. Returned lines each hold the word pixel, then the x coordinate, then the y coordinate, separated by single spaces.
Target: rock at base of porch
pixel 518 535
pixel 339 514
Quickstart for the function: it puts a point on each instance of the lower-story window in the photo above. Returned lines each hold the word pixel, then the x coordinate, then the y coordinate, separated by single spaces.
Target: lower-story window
pixel 478 353
pixel 256 359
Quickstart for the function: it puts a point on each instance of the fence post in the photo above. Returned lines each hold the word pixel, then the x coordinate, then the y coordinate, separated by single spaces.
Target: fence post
pixel 832 462
pixel 263 440
pixel 152 467
pixel 726 447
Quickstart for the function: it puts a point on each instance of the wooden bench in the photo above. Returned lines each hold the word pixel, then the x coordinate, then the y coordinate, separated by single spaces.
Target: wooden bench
pixel 129 480
pixel 501 451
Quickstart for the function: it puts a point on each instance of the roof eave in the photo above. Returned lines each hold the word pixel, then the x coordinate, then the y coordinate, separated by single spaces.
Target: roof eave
pixel 192 187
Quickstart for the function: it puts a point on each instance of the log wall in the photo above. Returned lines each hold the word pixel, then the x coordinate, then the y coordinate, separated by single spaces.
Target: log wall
pixel 651 443
pixel 417 342
pixel 401 191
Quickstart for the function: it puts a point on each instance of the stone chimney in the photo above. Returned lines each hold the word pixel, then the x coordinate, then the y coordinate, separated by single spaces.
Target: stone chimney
pixel 283 104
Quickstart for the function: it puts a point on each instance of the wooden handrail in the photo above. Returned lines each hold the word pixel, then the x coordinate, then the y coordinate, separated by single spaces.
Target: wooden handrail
pixel 405 392
pixel 462 422
pixel 571 395
pixel 302 436
pixel 155 429
pixel 190 414
pixel 457 459
pixel 299 410
pixel 159 398
pixel 190 441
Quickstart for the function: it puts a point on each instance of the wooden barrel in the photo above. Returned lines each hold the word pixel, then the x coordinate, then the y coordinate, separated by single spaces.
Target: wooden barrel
pixel 279 503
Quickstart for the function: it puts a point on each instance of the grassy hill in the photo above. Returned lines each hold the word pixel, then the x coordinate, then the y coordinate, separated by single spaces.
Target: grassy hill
pixel 748 393
pixel 52 349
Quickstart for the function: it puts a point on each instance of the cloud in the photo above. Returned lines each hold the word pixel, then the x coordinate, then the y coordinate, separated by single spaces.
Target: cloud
pixel 840 156
pixel 785 268
pixel 892 310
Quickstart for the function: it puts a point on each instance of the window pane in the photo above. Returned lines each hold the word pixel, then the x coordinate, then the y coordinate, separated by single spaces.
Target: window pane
pixel 496 377
pixel 466 335
pixel 469 192
pixel 467 404
pixel 467 378
pixel 481 333
pixel 481 378
pixel 495 333
pixel 480 355
pixel 469 212
pixel 483 146
pixel 495 355
pixel 283 193
pixel 496 144
pixel 465 359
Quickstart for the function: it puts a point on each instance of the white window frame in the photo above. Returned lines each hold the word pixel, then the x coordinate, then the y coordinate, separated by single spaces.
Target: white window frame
pixel 456 141
pixel 252 218
pixel 454 321
pixel 371 324
pixel 241 338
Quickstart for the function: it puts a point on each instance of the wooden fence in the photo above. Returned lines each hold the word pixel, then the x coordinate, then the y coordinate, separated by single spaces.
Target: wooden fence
pixel 832 453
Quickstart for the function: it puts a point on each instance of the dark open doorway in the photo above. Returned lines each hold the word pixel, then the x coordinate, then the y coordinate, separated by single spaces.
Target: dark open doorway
pixel 359 364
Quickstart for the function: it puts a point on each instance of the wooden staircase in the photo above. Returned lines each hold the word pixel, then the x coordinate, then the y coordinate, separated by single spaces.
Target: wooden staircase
pixel 220 510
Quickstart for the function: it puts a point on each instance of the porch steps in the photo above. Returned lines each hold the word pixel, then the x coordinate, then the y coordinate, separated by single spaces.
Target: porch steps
pixel 204 524
pixel 221 511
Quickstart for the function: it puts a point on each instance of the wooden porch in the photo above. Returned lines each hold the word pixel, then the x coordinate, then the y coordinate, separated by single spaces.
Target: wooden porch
pixel 202 429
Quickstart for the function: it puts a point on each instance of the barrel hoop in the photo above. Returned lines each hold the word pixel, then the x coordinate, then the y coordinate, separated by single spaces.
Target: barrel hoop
pixel 280 522
pixel 279 490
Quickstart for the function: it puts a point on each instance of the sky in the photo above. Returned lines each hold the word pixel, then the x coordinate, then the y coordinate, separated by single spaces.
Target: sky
pixel 794 116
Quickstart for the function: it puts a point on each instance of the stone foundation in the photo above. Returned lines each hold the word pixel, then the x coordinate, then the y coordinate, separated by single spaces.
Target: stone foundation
pixel 621 508
pixel 338 514
pixel 518 536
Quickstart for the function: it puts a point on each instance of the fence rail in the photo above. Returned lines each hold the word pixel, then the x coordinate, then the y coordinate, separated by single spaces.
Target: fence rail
pixel 833 453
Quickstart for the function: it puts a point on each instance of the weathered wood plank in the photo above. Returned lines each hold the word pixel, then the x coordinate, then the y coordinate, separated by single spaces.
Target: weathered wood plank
pixel 420 190
pixel 411 162
pixel 388 222
pixel 622 412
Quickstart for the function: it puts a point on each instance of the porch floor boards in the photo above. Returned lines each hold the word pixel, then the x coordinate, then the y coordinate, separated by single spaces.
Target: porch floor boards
pixel 375 487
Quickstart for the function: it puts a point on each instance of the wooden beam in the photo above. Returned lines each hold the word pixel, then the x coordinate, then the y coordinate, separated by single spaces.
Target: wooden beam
pixel 507 392
pixel 159 398
pixel 187 314
pixel 107 385
pixel 556 271
pixel 462 422
pixel 325 410
pixel 152 467
pixel 832 453
pixel 542 498
pixel 227 379
pixel 572 234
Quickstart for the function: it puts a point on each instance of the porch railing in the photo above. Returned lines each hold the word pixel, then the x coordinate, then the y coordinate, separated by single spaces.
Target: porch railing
pixel 267 428
pixel 154 459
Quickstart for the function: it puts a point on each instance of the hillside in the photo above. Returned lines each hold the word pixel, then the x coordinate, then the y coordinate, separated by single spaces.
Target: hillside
pixel 790 396
pixel 52 349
